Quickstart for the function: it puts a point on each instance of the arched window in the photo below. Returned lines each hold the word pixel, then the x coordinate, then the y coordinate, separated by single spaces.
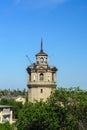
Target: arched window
pixel 41 76
pixel 34 77
pixel 41 60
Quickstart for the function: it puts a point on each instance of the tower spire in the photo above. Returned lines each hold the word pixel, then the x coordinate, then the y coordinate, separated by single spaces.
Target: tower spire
pixel 41 45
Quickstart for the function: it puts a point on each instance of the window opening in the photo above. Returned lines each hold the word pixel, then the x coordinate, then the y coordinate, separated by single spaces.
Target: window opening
pixel 41 90
pixel 52 76
pixel 41 76
pixel 41 60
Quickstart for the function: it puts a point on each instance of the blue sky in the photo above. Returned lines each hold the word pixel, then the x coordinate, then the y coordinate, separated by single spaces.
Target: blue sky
pixel 62 24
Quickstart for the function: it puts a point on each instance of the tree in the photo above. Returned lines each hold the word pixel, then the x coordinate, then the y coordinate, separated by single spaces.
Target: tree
pixel 6 126
pixel 74 103
pixel 38 116
pixel 66 109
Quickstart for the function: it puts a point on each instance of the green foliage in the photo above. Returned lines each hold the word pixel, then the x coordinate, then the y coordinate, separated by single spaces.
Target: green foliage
pixel 8 92
pixel 74 103
pixel 38 116
pixel 6 126
pixel 66 109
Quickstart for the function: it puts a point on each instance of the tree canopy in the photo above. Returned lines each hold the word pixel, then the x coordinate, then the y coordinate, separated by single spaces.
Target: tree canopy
pixel 65 109
pixel 6 126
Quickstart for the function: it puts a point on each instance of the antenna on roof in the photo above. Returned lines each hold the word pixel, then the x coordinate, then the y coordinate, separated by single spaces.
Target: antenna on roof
pixel 28 59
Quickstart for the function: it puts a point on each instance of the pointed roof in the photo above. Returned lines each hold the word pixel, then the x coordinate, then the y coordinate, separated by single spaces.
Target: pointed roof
pixel 41 53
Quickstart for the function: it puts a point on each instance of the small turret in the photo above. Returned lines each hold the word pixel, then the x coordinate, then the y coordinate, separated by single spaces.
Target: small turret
pixel 41 57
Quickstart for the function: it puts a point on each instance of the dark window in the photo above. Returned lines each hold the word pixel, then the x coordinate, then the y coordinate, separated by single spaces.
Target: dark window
pixel 52 76
pixel 41 90
pixel 29 77
pixel 41 76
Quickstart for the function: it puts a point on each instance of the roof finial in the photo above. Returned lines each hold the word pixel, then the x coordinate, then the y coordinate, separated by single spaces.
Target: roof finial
pixel 41 45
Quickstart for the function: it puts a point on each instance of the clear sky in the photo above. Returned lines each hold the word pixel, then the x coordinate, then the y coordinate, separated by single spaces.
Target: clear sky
pixel 62 24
